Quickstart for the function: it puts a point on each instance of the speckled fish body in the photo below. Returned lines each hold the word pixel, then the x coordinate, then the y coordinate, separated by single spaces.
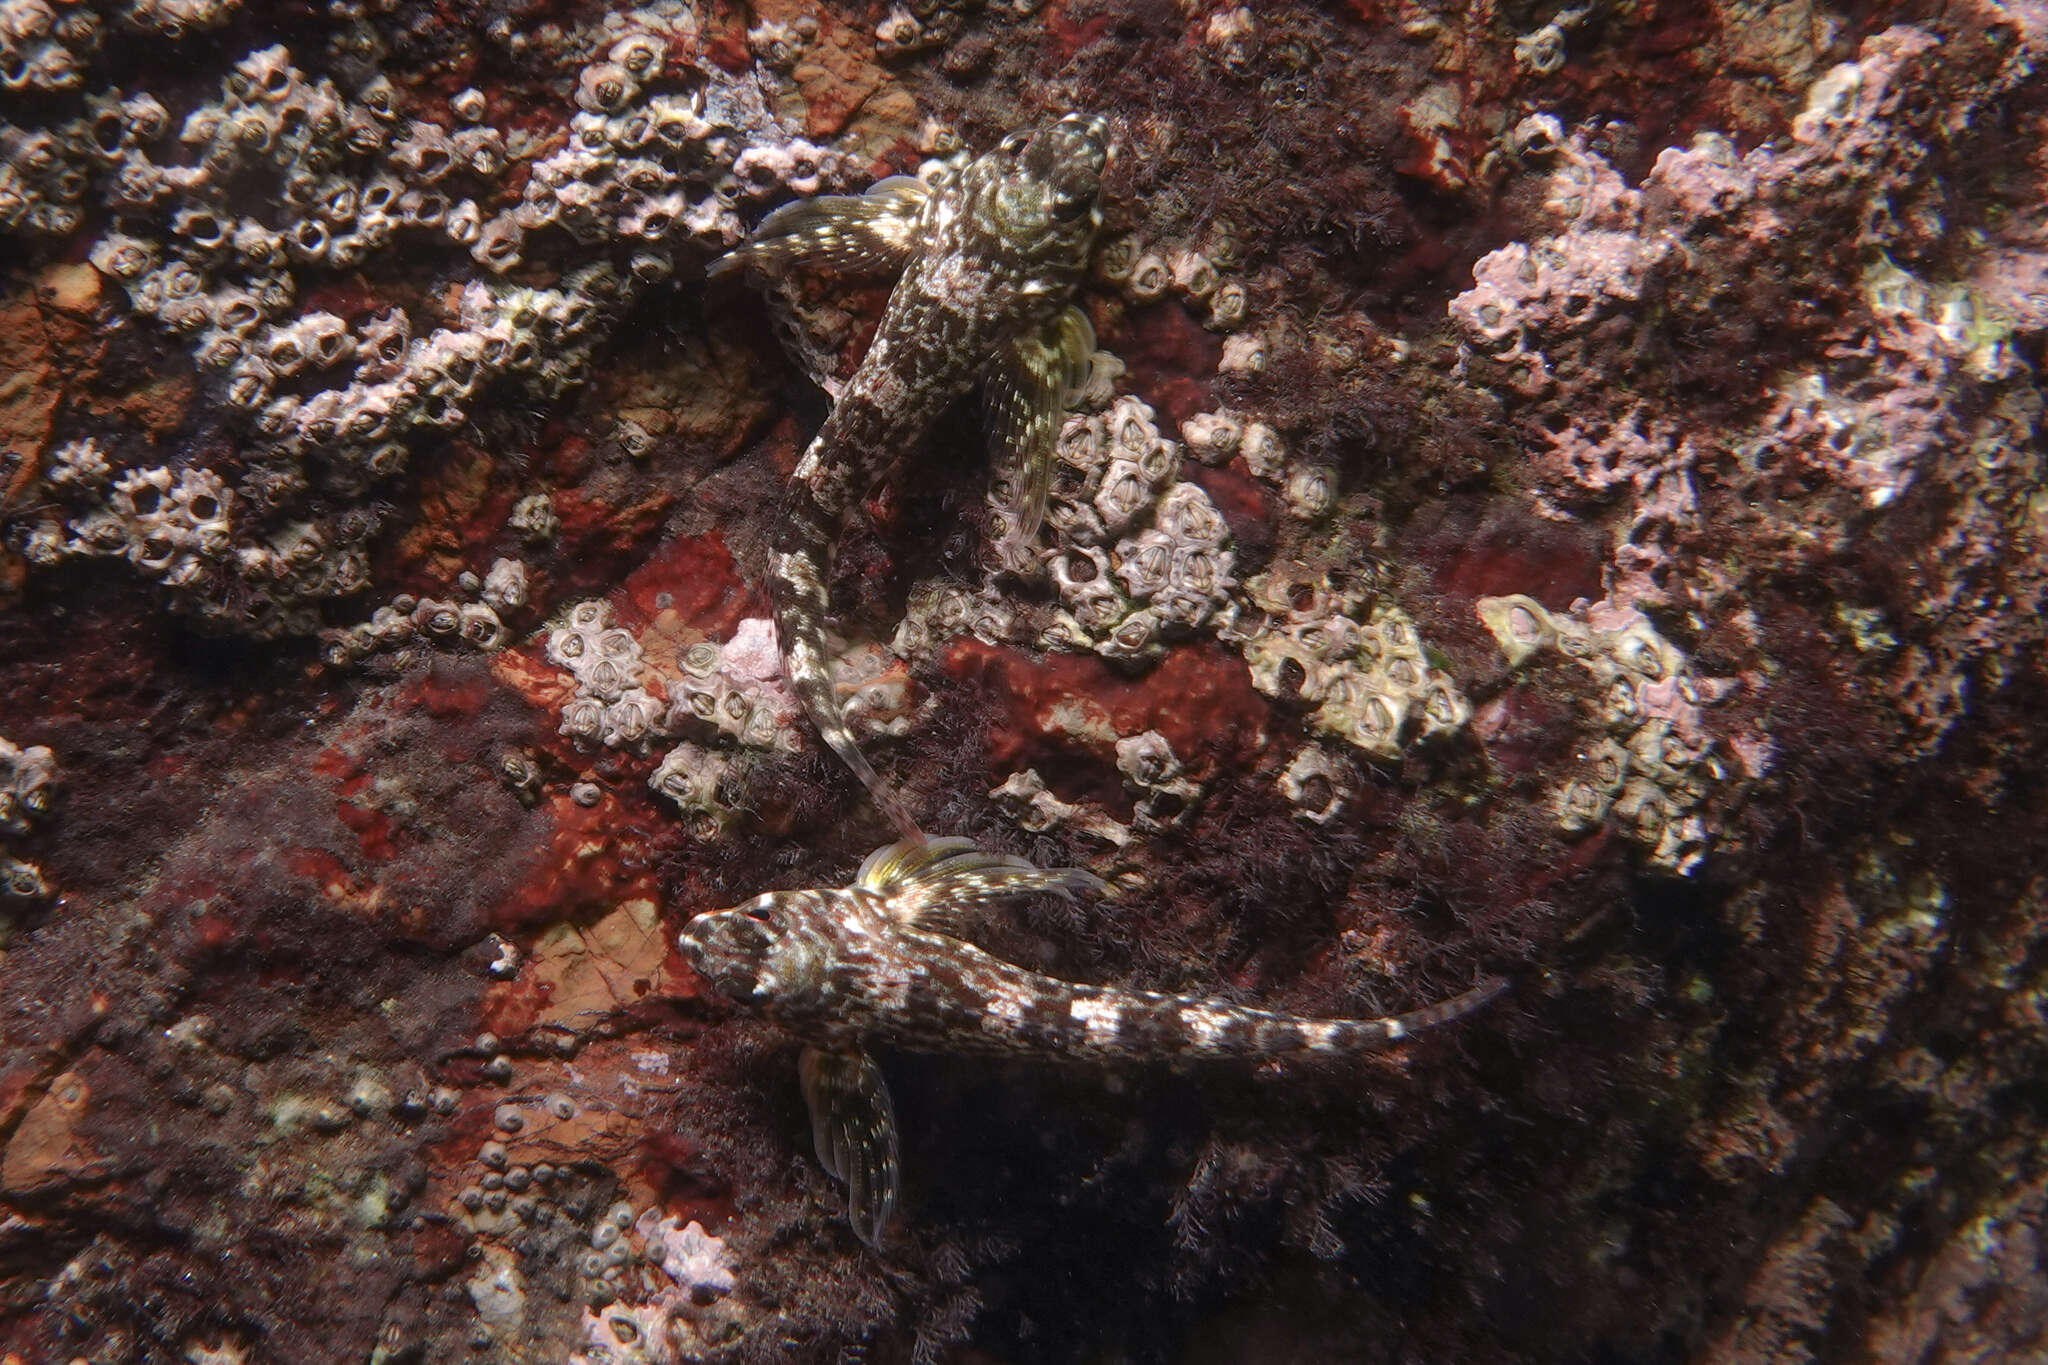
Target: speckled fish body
pixel 881 961
pixel 989 256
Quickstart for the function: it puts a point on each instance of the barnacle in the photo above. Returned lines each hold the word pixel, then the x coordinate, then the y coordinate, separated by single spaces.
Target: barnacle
pixel 1213 437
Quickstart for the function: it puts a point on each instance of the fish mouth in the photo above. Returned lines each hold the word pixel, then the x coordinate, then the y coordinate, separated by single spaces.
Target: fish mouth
pixel 694 939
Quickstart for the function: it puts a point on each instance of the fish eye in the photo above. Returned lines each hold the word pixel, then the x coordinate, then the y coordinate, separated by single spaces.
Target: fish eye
pixel 759 914
pixel 1014 143
pixel 1069 204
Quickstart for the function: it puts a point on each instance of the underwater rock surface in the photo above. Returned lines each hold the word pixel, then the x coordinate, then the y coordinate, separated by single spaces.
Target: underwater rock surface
pixel 1559 496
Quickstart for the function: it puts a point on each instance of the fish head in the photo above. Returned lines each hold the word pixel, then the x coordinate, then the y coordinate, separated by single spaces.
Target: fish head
pixel 1050 184
pixel 1066 160
pixel 773 952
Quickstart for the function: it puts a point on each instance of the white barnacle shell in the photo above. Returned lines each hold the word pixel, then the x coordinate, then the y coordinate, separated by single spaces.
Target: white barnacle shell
pixel 1202 571
pixel 1078 569
pixel 1368 718
pixel 480 626
pixel 504 587
pixel 1265 455
pixel 1135 637
pixel 1194 274
pixel 631 720
pixel 1117 258
pixel 1443 709
pixel 688 776
pixel 1311 491
pixel 1227 306
pixel 569 647
pixel 1212 436
pixel 1518 624
pixel 437 620
pixel 498 243
pixel 1131 427
pixel 1150 277
pixel 1124 494
pixel 465 223
pixel 899 31
pixel 605 88
pixel 1189 518
pixel 1144 562
pixel 1314 784
pixel 641 54
pixel 1147 760
pixel 123 257
pixel 1280 666
pixel 141 493
pixel 583 719
pixel 1098 607
pixel 608 679
pixel 43 545
pixel 1244 353
pixel 266 75
pixel 1083 443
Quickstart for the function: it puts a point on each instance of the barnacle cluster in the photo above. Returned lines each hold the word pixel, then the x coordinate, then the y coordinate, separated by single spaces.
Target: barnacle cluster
pixel 611 706
pixel 1138 554
pixel 1200 273
pixel 187 530
pixel 1657 772
pixel 1307 490
pixel 478 623
pixel 28 791
pixel 1535 306
pixel 656 170
pixel 1875 431
pixel 1338 644
pixel 222 217
pixel 921 26
pixel 44 46
pixel 939 611
pixel 666 1285
pixel 713 702
pixel 170 526
pixel 1216 438
pixel 646 1278
pixel 1916 379
pixel 47 44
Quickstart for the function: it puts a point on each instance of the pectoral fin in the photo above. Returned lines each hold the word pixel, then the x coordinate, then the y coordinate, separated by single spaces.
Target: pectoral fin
pixel 1026 399
pixel 938 884
pixel 845 233
pixel 854 1127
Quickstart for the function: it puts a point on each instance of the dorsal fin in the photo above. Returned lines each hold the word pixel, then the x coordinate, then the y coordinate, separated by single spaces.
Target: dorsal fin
pixel 936 884
pixel 842 233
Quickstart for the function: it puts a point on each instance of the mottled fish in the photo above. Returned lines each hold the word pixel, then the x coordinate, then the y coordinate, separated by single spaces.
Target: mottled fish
pixel 988 256
pixel 882 961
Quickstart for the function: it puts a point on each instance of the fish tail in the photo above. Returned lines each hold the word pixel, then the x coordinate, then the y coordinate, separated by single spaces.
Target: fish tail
pixel 802 562
pixel 1361 1035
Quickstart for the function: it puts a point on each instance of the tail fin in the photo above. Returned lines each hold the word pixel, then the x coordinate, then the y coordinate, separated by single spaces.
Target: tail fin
pixel 1363 1034
pixel 800 564
pixel 886 798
